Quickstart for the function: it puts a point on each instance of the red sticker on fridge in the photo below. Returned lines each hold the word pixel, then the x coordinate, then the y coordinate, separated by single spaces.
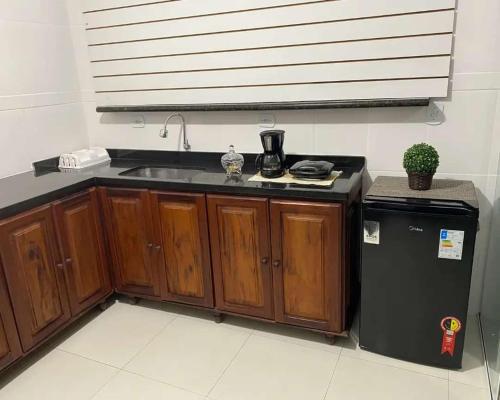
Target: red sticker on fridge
pixel 450 326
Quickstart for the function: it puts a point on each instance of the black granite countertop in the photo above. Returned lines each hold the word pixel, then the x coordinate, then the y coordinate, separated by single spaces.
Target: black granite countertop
pixel 46 183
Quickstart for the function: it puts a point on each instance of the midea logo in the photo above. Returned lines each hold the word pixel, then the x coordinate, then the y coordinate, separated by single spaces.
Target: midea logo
pixel 415 229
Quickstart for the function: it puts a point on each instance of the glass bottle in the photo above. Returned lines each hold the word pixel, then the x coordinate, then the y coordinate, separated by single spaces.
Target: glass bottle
pixel 232 162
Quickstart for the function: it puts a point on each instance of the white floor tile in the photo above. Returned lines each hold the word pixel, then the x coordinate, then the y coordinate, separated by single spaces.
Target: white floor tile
pixel 190 354
pixel 273 369
pixel 356 379
pixel 352 349
pixel 297 336
pixel 473 370
pixel 127 386
pixel 59 376
pixel 118 334
pixel 459 391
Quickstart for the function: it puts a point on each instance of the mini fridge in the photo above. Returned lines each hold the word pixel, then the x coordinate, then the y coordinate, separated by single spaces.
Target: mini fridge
pixel 417 256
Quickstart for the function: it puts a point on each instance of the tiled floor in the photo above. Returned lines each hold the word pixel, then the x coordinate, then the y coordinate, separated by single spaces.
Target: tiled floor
pixel 165 352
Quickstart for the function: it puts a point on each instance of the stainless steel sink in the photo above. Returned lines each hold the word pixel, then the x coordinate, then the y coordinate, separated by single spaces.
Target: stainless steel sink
pixel 167 173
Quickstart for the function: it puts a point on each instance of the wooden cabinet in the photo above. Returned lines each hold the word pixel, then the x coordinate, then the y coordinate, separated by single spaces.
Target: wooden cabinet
pixel 278 260
pixel 10 347
pixel 307 260
pixel 130 230
pixel 241 255
pixel 183 245
pixel 84 257
pixel 34 274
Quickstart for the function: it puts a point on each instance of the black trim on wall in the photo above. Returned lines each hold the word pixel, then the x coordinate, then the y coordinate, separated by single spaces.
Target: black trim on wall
pixel 288 105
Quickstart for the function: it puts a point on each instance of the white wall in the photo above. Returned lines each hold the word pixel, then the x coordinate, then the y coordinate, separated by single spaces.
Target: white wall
pixel 468 139
pixel 41 114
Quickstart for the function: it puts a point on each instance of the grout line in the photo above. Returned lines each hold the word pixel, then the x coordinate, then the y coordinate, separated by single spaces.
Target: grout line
pixel 161 382
pixel 147 344
pixel 33 107
pixel 396 367
pixel 485 358
pixel 483 366
pixel 331 377
pixel 43 23
pixel 299 344
pixel 105 384
pixel 230 363
pixel 87 358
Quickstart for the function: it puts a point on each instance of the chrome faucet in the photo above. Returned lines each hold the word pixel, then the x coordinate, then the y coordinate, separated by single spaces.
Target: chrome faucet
pixel 164 131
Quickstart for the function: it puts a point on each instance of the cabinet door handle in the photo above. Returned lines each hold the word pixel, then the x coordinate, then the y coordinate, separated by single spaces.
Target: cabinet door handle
pixel 276 263
pixel 264 260
pixel 150 245
pixel 60 266
pixel 158 247
pixel 68 261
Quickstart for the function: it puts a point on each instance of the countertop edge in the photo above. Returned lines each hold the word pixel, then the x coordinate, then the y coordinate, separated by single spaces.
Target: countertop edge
pixel 96 178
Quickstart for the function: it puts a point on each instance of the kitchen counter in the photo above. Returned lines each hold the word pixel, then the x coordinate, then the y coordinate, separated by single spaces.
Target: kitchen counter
pixel 46 183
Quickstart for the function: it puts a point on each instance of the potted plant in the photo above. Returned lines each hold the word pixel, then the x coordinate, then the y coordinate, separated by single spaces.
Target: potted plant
pixel 421 162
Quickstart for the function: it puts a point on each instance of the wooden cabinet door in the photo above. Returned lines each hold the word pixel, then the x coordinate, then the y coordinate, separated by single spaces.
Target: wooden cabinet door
pixel 34 273
pixel 182 242
pixel 84 257
pixel 129 225
pixel 10 347
pixel 307 261
pixel 239 234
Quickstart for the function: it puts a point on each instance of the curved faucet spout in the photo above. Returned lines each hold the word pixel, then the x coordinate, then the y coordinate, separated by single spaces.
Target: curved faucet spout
pixel 164 131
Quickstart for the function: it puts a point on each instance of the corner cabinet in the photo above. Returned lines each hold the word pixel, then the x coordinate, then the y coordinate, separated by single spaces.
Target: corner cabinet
pixel 34 274
pixel 10 347
pixel 83 252
pixel 55 265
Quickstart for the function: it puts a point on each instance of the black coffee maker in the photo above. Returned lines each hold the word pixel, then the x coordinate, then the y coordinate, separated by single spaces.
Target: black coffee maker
pixel 271 164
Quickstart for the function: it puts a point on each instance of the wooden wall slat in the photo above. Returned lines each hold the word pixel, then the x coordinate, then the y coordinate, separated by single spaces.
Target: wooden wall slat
pixel 422 88
pixel 242 51
pixel 408 25
pixel 179 9
pixel 89 6
pixel 376 49
pixel 362 70
pixel 195 8
pixel 307 13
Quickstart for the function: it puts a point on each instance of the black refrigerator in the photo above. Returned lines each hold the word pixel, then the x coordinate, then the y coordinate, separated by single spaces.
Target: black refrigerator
pixel 417 257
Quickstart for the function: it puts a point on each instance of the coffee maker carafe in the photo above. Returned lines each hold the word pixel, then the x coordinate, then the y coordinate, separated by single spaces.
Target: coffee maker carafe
pixel 271 163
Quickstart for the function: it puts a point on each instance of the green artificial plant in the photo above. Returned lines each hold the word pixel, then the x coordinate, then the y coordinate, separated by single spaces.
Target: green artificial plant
pixel 421 159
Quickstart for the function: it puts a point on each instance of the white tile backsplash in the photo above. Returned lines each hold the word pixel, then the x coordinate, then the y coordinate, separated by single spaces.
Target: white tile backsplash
pixel 40 58
pixel 41 114
pixel 36 11
pixel 464 139
pixel 388 141
pixel 477 36
pixel 36 133
pixel 342 132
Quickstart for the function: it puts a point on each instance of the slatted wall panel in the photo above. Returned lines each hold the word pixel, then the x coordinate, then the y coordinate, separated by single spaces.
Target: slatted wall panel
pixel 242 51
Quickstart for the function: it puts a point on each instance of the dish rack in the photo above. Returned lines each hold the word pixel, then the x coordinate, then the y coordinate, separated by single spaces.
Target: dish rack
pixel 84 158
